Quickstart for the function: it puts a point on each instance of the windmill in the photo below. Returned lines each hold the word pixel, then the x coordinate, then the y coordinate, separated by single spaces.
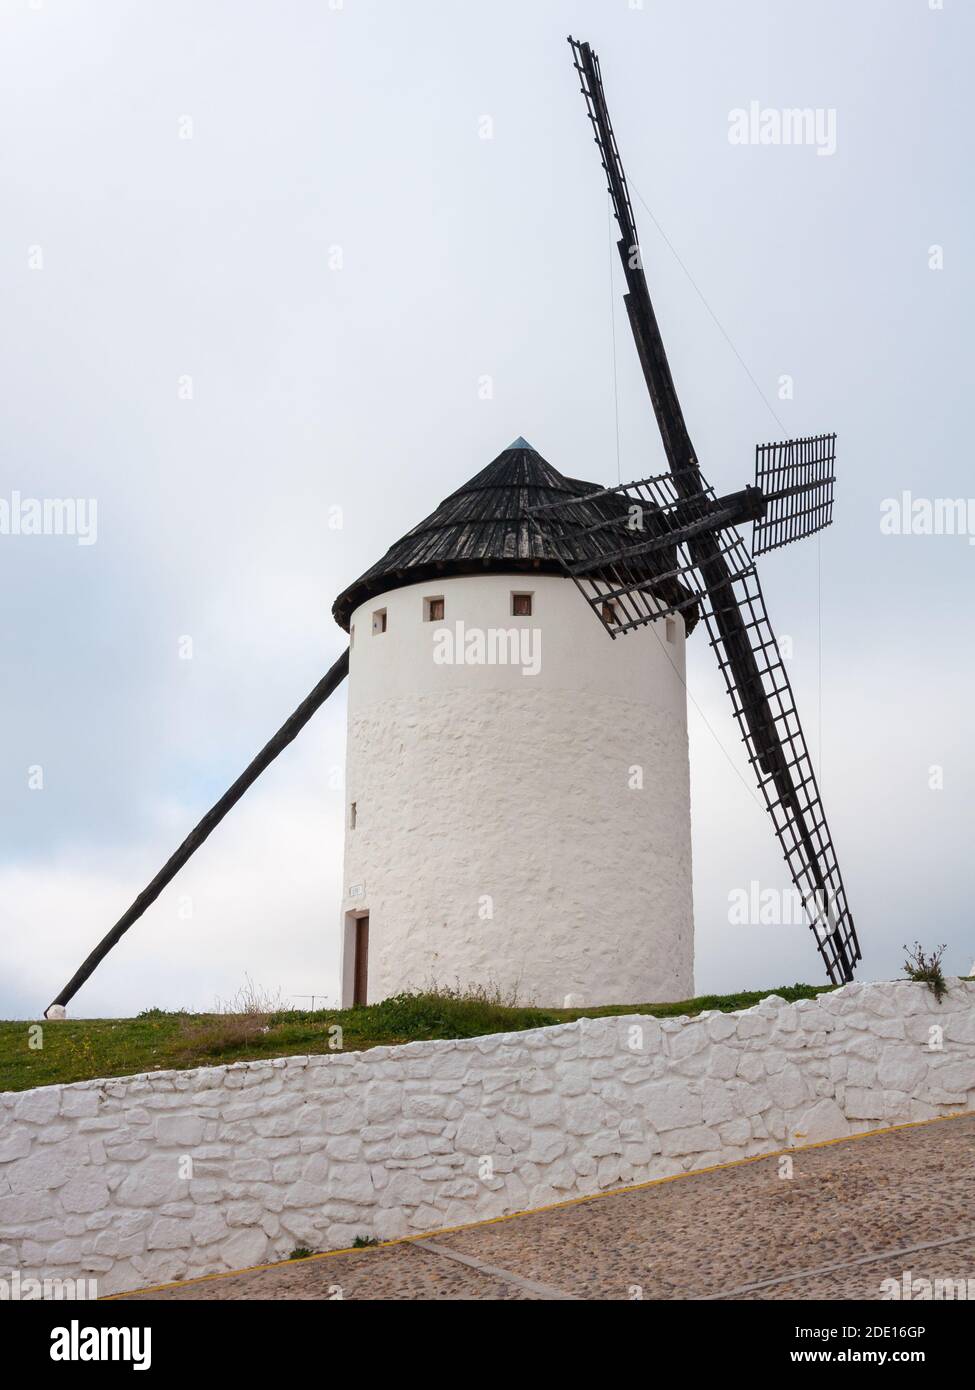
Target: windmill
pixel 673 530
pixel 639 552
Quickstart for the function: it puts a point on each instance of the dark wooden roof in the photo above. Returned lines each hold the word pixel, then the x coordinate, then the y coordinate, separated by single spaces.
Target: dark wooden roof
pixel 478 529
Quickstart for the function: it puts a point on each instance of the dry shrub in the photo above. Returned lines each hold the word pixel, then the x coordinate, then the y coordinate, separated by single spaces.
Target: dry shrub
pixel 240 1021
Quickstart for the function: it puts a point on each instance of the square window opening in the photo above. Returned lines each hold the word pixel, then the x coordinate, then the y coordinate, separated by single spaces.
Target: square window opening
pixel 433 610
pixel 378 621
pixel 521 605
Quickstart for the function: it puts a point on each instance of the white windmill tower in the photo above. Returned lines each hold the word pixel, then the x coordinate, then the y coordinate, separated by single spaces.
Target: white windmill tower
pixel 507 767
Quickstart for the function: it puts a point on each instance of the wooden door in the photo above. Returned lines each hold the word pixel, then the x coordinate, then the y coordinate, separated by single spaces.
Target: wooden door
pixel 360 979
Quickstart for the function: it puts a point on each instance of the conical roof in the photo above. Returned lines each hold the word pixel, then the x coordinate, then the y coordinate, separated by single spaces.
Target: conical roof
pixel 480 528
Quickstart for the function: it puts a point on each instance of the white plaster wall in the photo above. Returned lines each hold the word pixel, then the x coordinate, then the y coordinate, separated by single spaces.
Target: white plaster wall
pixel 480 790
pixel 315 1151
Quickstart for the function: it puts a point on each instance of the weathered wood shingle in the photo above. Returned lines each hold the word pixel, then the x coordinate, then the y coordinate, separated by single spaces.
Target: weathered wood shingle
pixel 481 527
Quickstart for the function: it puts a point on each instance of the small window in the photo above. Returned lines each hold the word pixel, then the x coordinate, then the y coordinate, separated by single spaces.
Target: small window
pixel 671 629
pixel 609 611
pixel 433 610
pixel 379 621
pixel 352 635
pixel 352 815
pixel 521 605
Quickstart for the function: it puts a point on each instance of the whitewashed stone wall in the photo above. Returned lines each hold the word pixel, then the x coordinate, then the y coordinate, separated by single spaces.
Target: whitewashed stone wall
pixel 315 1151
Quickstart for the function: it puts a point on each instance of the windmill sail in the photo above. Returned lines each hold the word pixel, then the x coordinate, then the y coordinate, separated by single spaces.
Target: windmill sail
pixel 778 752
pixel 796 479
pixel 727 585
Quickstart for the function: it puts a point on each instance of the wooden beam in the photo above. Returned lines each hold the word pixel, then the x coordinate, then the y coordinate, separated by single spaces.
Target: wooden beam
pixel 287 732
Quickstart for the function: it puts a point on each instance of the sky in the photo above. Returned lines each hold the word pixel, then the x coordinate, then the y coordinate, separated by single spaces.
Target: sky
pixel 257 261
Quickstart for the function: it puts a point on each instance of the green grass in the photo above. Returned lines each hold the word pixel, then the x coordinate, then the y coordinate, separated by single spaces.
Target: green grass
pixel 78 1050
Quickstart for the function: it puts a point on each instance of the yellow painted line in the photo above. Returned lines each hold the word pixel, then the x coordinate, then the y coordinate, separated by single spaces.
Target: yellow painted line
pixel 536 1211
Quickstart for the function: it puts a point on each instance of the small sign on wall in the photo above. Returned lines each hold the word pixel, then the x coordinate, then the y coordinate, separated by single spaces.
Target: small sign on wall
pixel 356 890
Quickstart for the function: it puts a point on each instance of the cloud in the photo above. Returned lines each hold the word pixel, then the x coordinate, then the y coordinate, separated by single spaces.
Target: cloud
pixel 263 895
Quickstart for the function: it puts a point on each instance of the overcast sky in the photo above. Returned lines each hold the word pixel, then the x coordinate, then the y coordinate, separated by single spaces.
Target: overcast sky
pixel 256 259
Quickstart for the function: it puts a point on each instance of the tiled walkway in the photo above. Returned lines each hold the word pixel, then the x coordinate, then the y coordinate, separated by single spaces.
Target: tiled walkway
pixel 852 1214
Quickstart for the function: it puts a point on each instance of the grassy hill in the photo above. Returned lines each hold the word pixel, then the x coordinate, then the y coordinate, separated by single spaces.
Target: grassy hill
pixel 79 1050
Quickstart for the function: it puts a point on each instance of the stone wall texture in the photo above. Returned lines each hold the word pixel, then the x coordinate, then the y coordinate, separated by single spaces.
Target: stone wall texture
pixel 146 1179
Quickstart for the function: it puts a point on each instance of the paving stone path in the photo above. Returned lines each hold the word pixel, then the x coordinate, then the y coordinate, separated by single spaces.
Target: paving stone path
pixel 852 1214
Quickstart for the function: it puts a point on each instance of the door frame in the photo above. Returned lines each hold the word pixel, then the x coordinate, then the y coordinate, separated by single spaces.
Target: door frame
pixel 360 961
pixel 352 937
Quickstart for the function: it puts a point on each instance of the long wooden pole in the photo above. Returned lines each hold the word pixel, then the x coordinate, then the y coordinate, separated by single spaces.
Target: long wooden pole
pixel 287 732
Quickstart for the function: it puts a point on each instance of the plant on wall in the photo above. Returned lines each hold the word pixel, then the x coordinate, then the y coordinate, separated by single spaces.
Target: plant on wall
pixel 926 969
